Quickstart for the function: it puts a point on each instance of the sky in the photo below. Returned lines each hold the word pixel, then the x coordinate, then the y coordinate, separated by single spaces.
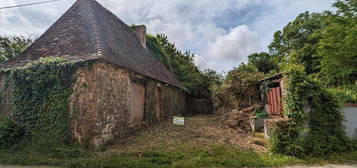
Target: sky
pixel 222 33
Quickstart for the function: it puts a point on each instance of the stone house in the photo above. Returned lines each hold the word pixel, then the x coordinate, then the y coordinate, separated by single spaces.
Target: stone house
pixel 123 86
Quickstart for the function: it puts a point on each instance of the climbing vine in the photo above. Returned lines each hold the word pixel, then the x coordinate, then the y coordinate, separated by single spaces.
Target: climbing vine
pixel 40 100
pixel 10 132
pixel 315 121
pixel 39 104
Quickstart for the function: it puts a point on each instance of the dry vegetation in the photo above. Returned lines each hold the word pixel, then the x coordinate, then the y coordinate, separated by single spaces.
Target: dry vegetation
pixel 199 132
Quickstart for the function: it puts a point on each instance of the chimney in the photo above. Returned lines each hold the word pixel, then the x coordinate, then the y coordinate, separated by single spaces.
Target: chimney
pixel 140 31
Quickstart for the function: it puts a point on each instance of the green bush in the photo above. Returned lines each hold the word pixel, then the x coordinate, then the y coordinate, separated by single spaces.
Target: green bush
pixel 240 88
pixel 283 139
pixel 316 121
pixel 10 133
pixel 182 65
pixel 345 94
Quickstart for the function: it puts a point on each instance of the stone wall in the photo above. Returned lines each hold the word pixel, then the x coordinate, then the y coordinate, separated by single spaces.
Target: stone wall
pixel 100 105
pixel 172 101
pixel 6 93
pixel 151 103
pixel 109 102
pixel 162 102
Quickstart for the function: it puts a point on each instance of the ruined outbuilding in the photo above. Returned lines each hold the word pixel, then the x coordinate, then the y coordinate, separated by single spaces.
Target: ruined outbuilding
pixel 125 87
pixel 274 106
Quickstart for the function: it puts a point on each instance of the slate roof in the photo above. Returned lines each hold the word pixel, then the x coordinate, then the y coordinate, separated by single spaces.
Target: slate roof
pixel 89 31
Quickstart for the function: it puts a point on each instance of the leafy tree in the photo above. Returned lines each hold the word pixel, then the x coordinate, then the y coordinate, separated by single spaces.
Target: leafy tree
pixel 157 51
pixel 346 8
pixel 324 43
pixel 206 81
pixel 240 87
pixel 11 47
pixel 263 61
pixel 182 65
pixel 337 46
pixel 297 37
pixel 212 77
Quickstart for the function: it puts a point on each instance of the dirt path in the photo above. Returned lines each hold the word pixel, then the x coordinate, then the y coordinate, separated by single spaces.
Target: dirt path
pixel 201 130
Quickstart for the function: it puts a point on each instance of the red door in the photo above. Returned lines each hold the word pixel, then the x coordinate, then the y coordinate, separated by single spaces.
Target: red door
pixel 275 101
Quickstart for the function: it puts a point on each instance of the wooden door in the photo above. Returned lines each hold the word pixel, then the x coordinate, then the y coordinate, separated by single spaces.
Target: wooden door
pixel 138 103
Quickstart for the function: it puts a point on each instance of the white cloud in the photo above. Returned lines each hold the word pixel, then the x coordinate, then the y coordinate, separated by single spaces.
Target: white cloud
pixel 235 45
pixel 29 20
pixel 182 33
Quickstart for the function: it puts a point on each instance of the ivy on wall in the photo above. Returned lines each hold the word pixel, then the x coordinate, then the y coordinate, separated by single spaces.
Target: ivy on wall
pixel 315 126
pixel 10 133
pixel 40 100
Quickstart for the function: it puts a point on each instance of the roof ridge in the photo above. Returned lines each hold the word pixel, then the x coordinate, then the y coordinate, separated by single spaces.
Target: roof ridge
pixel 93 21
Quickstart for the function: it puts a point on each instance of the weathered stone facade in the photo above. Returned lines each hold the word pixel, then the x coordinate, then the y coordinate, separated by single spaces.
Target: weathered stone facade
pixel 163 101
pixel 108 102
pixel 100 103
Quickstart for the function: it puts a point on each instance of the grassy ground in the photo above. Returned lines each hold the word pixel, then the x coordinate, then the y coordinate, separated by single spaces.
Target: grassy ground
pixel 203 142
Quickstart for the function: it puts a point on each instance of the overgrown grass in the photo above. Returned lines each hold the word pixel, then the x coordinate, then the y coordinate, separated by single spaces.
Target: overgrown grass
pixel 162 146
pixel 215 156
